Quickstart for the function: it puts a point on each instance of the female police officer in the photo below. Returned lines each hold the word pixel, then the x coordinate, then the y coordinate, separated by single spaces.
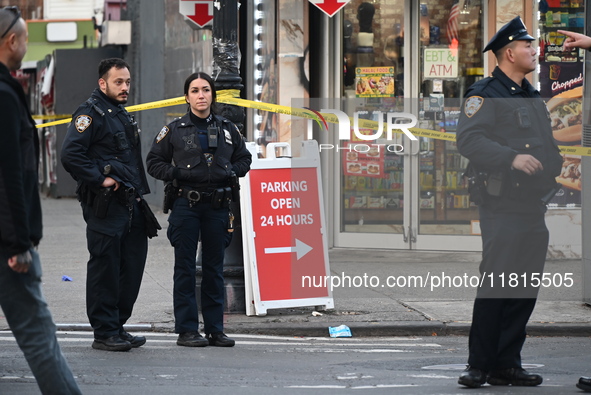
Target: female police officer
pixel 200 153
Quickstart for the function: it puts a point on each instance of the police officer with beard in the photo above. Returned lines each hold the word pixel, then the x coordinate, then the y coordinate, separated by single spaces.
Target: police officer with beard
pixel 200 155
pixel 505 132
pixel 102 152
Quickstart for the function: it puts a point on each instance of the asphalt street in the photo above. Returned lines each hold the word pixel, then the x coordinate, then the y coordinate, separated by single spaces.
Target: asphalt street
pixel 369 309
pixel 305 365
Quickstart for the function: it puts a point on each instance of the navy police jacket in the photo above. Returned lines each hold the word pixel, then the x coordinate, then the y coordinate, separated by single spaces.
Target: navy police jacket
pixel 499 120
pixel 176 154
pixel 103 140
pixel 20 205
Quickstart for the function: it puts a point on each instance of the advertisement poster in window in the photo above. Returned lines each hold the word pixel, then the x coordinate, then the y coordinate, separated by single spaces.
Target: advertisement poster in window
pixel 561 85
pixel 374 81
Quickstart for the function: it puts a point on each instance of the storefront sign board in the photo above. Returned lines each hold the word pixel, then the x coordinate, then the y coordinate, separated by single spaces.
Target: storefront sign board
pixel 284 232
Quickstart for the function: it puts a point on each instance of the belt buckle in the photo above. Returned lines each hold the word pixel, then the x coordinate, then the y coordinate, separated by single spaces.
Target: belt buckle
pixel 193 196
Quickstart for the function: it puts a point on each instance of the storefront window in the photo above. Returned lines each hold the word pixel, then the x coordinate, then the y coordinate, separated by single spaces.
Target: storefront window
pixel 448 61
pixel 561 84
pixel 452 60
pixel 373 172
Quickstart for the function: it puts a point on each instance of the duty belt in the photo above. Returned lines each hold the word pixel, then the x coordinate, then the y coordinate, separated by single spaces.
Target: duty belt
pixel 195 196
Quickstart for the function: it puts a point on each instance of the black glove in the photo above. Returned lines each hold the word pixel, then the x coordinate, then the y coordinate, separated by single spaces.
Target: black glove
pixel 152 225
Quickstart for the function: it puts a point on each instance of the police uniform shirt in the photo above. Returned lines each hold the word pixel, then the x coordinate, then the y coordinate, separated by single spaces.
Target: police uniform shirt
pixel 102 141
pixel 178 153
pixel 501 119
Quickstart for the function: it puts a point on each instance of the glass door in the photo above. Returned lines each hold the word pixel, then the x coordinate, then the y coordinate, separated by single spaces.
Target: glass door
pixel 405 57
pixel 374 181
pixel 449 50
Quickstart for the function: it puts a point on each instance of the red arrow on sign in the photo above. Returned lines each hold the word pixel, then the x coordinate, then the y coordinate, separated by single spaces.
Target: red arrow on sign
pixel 329 7
pixel 200 12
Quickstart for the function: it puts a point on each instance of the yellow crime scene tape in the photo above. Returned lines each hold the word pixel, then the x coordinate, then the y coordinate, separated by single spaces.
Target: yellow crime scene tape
pixel 230 96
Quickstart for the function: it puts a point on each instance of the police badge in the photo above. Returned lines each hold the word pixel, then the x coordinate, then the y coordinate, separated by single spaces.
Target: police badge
pixel 472 105
pixel 82 122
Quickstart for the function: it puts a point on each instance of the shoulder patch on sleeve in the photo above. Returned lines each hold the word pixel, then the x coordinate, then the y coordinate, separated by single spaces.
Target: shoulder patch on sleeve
pixel 82 122
pixel 472 105
pixel 162 134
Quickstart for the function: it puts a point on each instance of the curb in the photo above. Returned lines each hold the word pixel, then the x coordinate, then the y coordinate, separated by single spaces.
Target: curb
pixel 363 329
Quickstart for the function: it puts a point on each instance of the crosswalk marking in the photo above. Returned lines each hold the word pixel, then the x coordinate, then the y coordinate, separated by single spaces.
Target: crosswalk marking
pixel 377 345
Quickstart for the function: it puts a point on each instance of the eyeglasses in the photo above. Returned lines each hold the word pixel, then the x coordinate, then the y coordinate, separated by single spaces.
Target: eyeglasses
pixel 17 14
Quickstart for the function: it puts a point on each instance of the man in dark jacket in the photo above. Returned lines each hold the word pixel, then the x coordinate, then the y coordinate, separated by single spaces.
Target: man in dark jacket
pixel 505 132
pixel 20 221
pixel 101 151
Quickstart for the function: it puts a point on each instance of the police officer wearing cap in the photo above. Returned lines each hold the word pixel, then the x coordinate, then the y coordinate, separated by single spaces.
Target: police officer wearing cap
pixel 101 151
pixel 505 132
pixel 199 155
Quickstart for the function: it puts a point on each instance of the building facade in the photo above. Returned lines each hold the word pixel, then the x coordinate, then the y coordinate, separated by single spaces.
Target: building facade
pixel 377 59
pixel 402 56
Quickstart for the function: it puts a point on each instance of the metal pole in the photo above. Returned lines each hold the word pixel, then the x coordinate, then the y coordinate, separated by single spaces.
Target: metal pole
pixel 226 73
pixel 226 56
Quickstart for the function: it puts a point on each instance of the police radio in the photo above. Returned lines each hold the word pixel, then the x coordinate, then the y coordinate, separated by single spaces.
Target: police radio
pixel 212 136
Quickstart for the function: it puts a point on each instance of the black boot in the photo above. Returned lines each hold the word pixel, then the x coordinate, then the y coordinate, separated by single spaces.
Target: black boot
pixel 472 377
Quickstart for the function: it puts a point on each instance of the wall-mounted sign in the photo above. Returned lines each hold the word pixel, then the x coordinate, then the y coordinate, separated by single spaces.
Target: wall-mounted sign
pixel 440 63
pixel 198 12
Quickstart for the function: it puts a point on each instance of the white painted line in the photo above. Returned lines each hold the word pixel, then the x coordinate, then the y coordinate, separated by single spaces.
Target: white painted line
pixel 317 386
pixel 430 376
pixel 365 351
pixel 367 387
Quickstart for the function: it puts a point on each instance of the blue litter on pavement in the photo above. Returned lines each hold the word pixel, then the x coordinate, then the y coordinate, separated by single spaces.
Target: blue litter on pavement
pixel 66 278
pixel 339 331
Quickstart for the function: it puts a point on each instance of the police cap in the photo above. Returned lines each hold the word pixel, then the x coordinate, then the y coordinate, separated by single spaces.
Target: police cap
pixel 514 30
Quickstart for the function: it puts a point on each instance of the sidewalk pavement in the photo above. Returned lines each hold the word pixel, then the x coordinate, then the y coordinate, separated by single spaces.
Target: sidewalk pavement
pixel 372 310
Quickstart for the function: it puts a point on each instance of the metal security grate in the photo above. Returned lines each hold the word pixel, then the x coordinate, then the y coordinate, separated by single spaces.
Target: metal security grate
pixel 586 135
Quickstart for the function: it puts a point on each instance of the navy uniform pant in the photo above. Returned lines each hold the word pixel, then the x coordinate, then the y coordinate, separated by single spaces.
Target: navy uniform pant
pixel 118 247
pixel 186 225
pixel 33 328
pixel 513 244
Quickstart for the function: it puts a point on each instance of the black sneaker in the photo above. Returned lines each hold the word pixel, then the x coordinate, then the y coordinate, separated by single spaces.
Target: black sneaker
pixel 191 339
pixel 136 341
pixel 113 343
pixel 219 339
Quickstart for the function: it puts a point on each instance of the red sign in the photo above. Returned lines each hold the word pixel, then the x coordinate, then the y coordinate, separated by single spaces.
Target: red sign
pixel 329 7
pixel 288 239
pixel 200 12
